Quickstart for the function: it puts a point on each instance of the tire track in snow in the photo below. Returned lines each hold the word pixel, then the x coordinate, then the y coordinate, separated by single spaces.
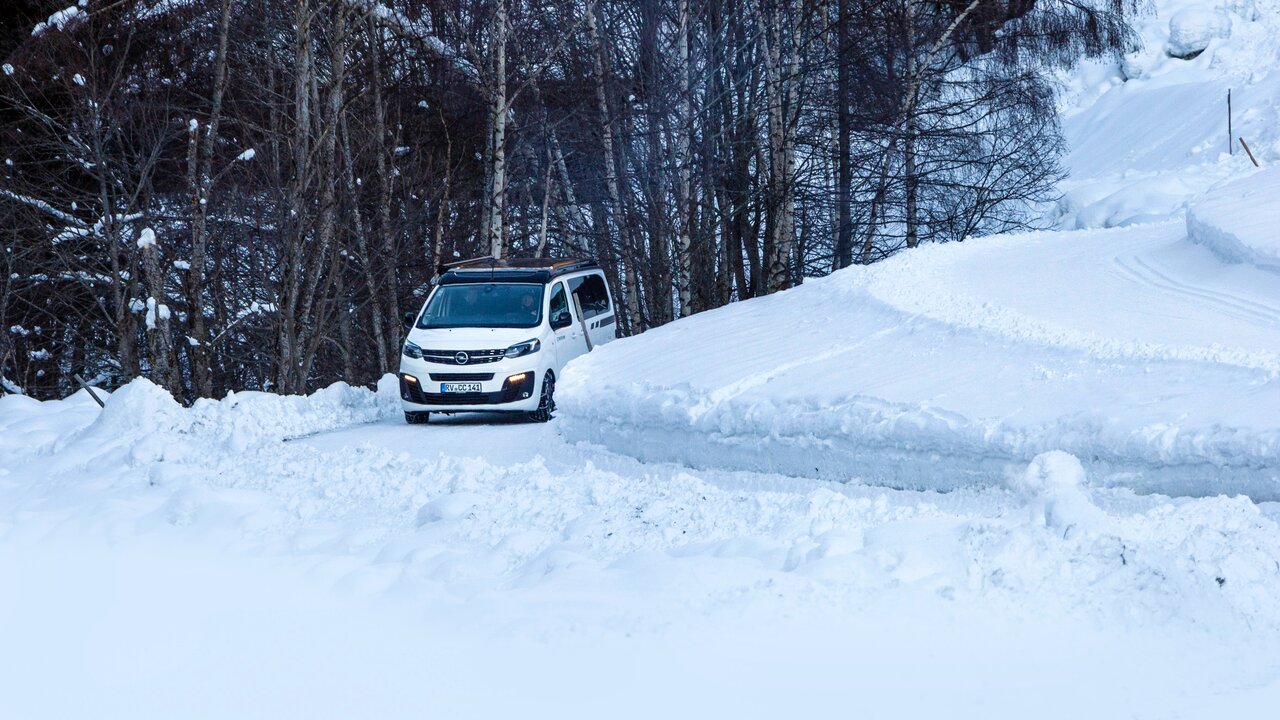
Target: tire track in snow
pixel 1142 273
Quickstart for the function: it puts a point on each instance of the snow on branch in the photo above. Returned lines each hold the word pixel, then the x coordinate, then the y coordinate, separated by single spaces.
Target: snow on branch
pixel 416 33
pixel 60 19
pixel 44 207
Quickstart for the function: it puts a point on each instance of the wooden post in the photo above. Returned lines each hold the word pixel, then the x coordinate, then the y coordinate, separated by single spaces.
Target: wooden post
pixel 1249 152
pixel 85 385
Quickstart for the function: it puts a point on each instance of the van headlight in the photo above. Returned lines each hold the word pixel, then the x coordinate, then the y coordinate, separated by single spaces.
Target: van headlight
pixel 413 351
pixel 528 347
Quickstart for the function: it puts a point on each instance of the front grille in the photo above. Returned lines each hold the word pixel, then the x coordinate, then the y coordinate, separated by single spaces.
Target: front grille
pixel 412 392
pixel 461 377
pixel 461 398
pixel 474 357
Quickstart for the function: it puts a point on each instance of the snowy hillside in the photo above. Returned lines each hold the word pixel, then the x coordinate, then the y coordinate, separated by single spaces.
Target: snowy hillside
pixel 1148 133
pixel 1137 350
pixel 1151 352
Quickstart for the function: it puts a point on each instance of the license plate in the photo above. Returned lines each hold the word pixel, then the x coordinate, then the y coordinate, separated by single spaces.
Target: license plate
pixel 471 387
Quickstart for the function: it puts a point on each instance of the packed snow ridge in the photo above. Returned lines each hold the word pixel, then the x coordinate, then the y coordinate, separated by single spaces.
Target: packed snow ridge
pixel 1137 350
pixel 1240 220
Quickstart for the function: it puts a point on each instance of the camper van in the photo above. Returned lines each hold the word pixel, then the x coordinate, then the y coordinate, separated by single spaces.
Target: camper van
pixel 494 335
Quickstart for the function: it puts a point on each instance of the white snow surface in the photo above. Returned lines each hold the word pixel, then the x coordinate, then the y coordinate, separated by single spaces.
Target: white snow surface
pixel 1148 133
pixel 265 556
pixel 1240 221
pixel 60 19
pixel 1136 350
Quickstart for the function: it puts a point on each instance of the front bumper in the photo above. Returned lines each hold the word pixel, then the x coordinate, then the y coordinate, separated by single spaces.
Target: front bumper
pixel 504 393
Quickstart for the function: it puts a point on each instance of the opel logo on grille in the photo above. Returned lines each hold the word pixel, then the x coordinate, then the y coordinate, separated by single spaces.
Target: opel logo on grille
pixel 461 358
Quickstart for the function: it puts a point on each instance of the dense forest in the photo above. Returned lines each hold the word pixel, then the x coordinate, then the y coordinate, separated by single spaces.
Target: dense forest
pixel 232 194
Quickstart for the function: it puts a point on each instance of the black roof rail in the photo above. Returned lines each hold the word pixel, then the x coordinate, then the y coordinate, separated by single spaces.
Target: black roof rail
pixel 509 269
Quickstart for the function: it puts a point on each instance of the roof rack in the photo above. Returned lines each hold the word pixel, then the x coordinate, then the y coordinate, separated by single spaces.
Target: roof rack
pixel 513 269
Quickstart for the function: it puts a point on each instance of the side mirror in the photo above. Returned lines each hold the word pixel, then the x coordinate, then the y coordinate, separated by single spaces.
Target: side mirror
pixel 561 319
pixel 409 317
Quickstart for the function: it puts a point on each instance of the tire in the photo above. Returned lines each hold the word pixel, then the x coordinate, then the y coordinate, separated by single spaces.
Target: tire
pixel 417 418
pixel 546 401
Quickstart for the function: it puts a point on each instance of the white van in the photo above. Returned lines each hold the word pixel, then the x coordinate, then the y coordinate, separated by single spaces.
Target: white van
pixel 493 336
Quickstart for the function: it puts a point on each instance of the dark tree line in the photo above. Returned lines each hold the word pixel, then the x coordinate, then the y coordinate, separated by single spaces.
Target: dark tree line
pixel 226 194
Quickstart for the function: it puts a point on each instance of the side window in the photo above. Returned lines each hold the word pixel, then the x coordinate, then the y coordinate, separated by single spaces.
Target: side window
pixel 593 295
pixel 559 312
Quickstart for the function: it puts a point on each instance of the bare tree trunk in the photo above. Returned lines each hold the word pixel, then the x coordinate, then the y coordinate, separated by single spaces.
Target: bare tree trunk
pixel 436 251
pixel 844 129
pixel 779 74
pixel 631 292
pixel 159 336
pixel 391 280
pixel 291 291
pixel 201 170
pixel 344 329
pixel 910 180
pixel 313 299
pixel 362 248
pixel 497 190
pixel 546 206
pixel 684 201
pixel 910 99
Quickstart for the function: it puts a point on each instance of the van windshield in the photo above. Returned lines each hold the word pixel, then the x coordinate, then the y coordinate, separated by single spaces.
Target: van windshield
pixel 485 305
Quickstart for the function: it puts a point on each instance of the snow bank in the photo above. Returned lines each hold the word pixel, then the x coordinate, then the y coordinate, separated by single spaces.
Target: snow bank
pixel 142 423
pixel 1131 349
pixel 1238 221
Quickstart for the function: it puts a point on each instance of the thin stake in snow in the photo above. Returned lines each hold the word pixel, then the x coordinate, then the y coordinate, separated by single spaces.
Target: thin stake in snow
pixel 1231 149
pixel 88 389
pixel 1249 152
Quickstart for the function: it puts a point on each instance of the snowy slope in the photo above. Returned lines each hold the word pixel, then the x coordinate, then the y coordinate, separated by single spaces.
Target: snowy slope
pixel 1152 352
pixel 1137 350
pixel 1149 132
pixel 1240 221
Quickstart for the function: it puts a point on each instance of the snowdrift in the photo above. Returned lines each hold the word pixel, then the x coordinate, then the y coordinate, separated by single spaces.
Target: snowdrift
pixel 1240 221
pixel 1134 349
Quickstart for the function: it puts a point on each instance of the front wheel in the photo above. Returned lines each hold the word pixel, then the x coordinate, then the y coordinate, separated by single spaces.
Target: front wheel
pixel 546 401
pixel 417 418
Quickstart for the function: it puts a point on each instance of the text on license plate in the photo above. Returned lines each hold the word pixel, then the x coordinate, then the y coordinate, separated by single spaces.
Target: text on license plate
pixel 471 387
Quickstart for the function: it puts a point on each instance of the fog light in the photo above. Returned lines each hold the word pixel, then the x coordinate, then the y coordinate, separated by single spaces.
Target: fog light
pixel 518 378
pixel 410 378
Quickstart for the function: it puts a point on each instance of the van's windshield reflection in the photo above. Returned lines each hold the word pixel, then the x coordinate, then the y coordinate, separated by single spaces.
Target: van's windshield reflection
pixel 484 305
